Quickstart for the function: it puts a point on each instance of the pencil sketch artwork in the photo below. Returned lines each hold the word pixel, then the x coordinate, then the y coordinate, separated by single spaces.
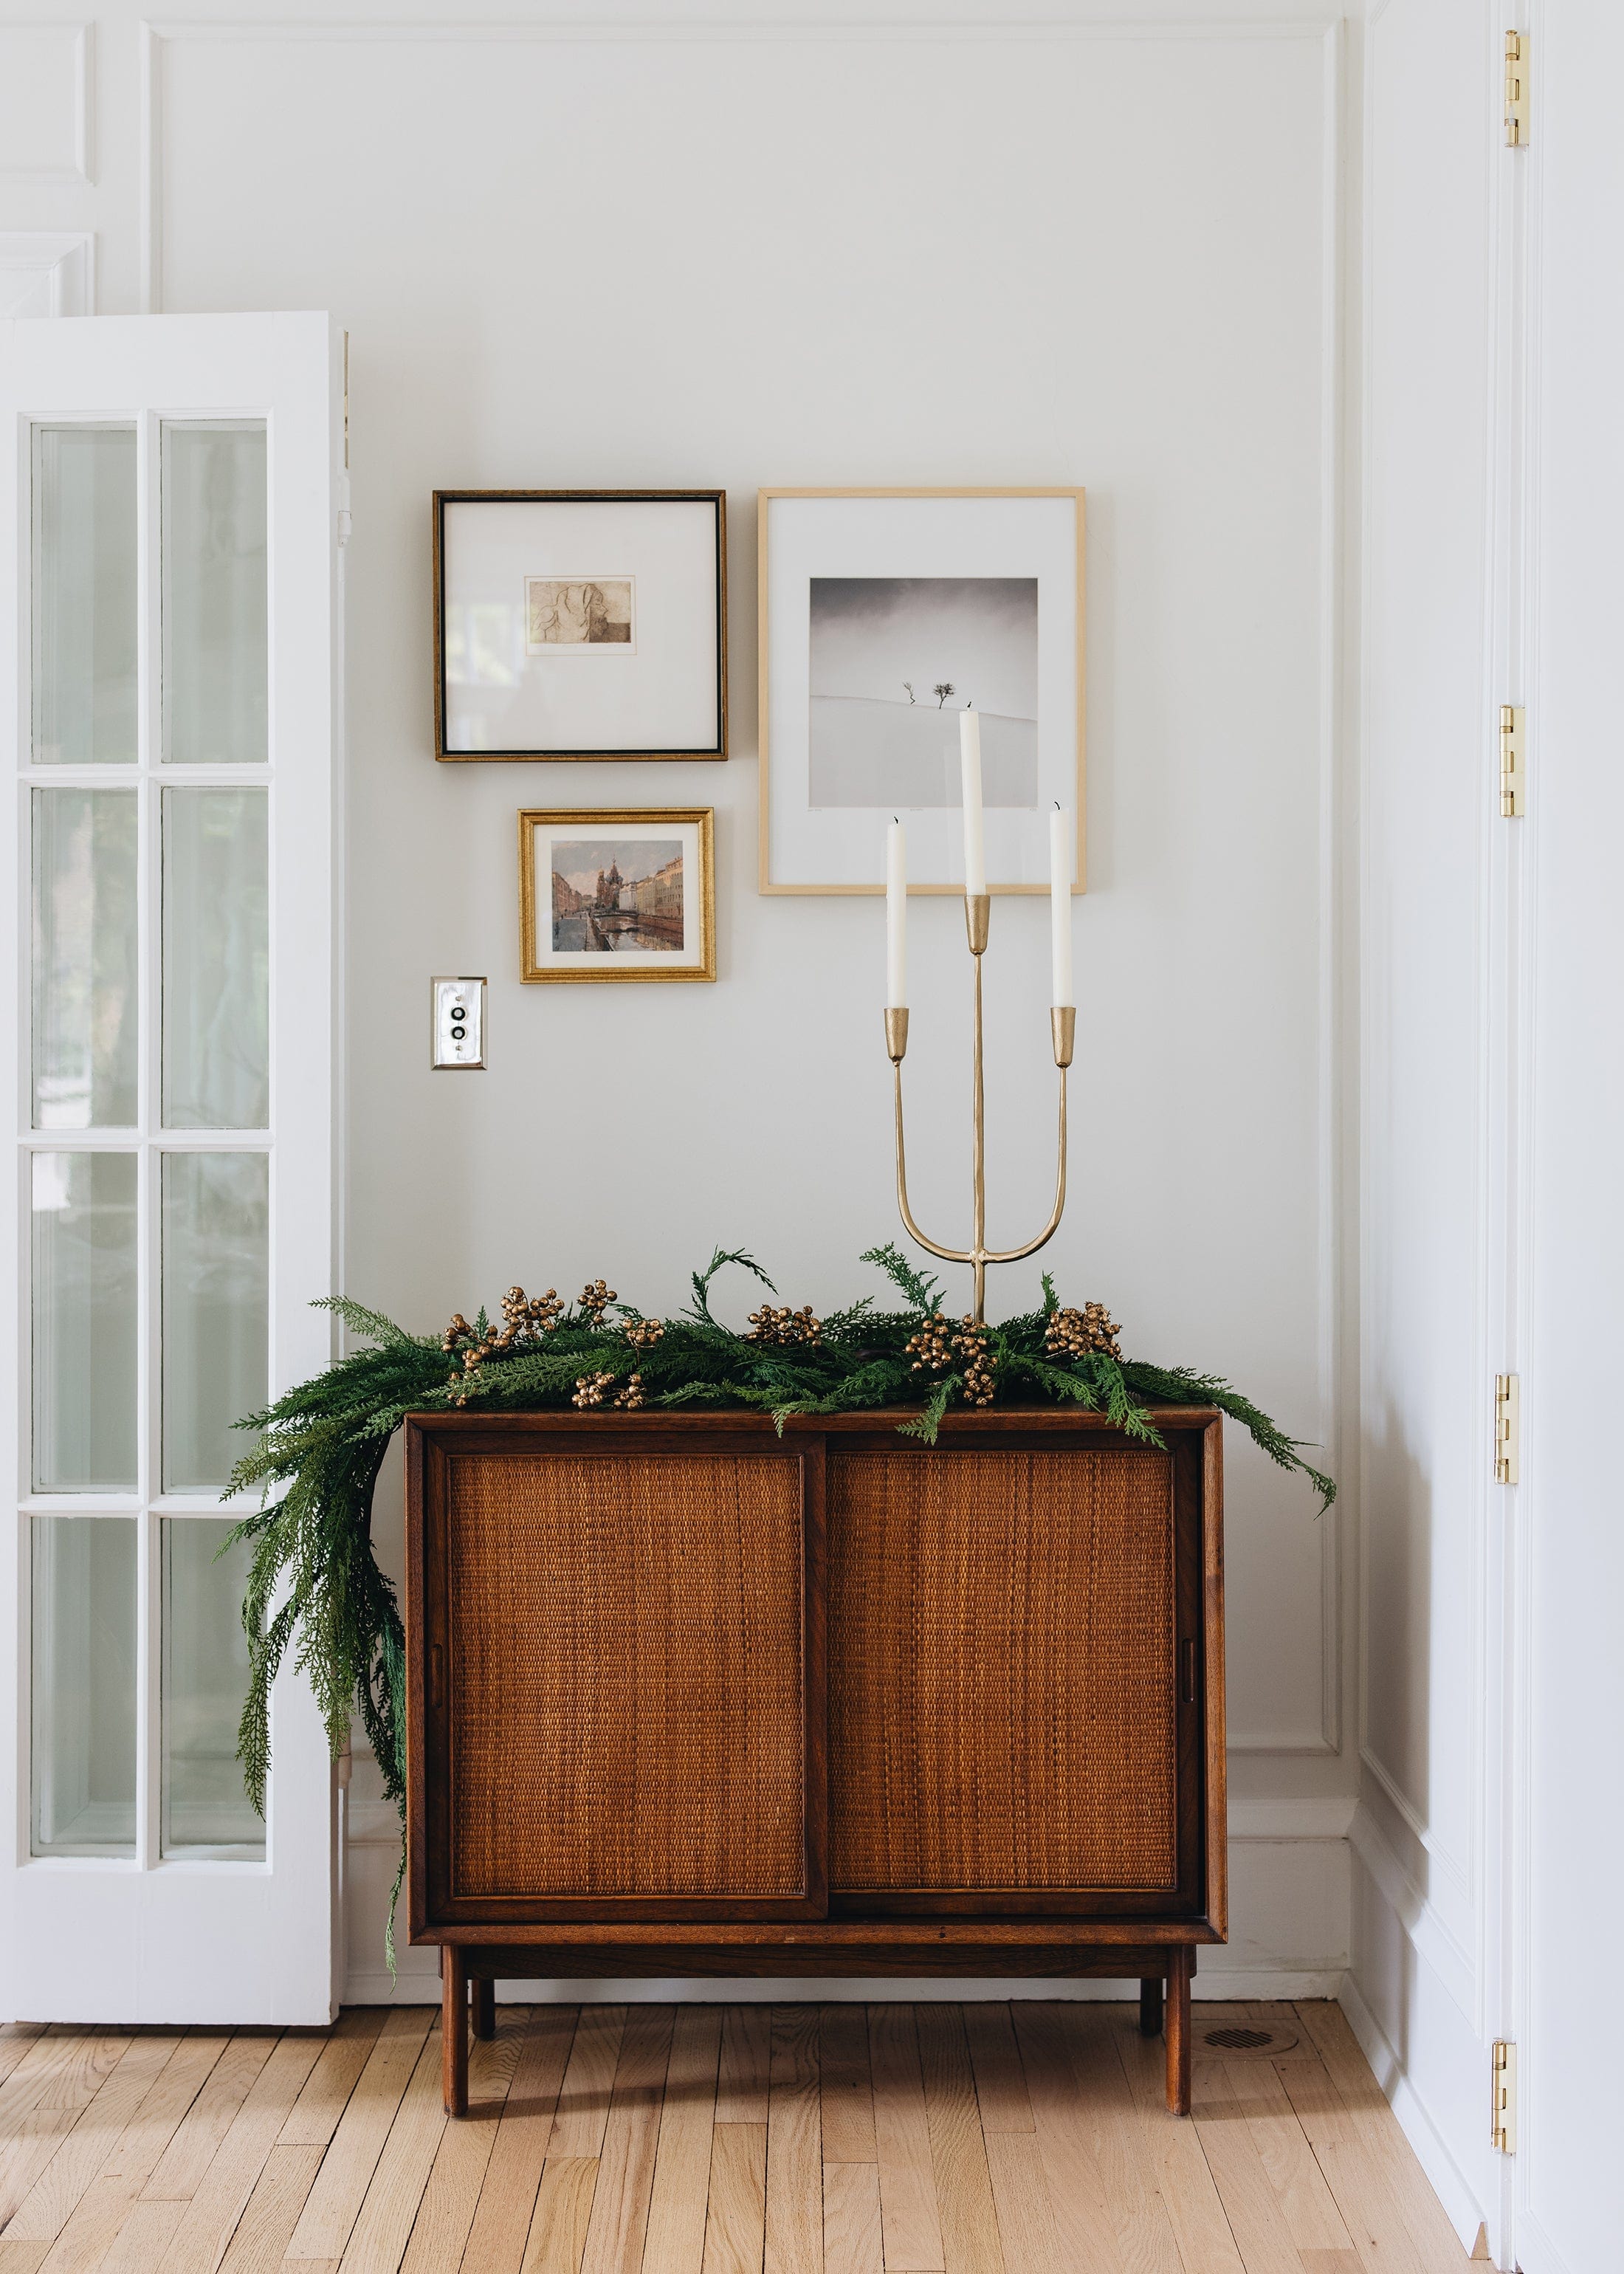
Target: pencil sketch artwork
pixel 609 895
pixel 577 615
pixel 894 659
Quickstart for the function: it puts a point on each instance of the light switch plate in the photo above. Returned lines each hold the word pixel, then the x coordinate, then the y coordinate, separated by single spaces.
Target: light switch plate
pixel 457 1034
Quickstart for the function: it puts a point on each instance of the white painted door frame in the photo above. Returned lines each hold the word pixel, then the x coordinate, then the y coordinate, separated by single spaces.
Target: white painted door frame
pixel 112 1940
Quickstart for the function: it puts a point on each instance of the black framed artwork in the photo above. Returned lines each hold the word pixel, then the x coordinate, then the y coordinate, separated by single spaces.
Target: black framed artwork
pixel 577 624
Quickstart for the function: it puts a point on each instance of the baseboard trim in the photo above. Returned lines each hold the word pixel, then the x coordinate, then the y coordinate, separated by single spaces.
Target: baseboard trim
pixel 417 1985
pixel 1447 2181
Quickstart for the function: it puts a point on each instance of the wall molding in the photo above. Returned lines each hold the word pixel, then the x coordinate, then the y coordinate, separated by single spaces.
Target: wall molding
pixel 48 272
pixel 1448 2181
pixel 80 174
pixel 1422 1923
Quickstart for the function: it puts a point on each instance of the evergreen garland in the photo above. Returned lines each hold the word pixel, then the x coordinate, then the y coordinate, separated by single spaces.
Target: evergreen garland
pixel 325 1440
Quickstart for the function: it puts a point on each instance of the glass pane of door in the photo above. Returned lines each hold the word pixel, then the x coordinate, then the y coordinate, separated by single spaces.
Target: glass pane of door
pixel 215 640
pixel 86 959
pixel 216 1337
pixel 216 960
pixel 84 1708
pixel 82 591
pixel 86 1328
pixel 205 1682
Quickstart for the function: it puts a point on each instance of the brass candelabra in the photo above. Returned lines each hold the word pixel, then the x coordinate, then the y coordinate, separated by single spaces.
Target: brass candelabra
pixel 1062 1022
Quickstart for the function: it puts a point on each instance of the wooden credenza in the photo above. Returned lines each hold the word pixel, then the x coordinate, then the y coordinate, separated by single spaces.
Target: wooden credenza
pixel 688 1697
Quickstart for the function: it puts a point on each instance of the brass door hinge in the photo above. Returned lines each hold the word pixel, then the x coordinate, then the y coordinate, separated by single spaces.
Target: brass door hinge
pixel 1516 88
pixel 1512 777
pixel 1507 1428
pixel 1503 2127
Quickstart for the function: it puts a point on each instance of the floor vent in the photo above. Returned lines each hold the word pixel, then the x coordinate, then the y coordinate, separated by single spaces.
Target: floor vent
pixel 1250 2041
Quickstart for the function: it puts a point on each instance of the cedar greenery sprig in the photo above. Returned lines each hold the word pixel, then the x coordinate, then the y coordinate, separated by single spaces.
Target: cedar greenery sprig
pixel 314 1585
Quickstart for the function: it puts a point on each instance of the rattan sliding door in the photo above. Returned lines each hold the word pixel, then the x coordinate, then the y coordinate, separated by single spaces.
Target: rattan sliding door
pixel 622 1713
pixel 1009 1727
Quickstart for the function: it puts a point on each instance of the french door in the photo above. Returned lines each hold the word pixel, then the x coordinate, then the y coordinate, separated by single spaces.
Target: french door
pixel 168 619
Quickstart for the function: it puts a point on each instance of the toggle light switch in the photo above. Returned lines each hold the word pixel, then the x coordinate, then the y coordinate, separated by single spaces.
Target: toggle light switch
pixel 457 1036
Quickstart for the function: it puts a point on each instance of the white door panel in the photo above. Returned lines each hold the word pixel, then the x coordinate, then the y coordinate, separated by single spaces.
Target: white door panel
pixel 169 637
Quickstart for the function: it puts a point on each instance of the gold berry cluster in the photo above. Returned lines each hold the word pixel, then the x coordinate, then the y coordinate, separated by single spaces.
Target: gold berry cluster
pixel 932 1348
pixel 1077 1334
pixel 971 1344
pixel 939 1343
pixel 596 1297
pixel 771 1324
pixel 642 1334
pixel 631 1397
pixel 525 1319
pixel 589 1389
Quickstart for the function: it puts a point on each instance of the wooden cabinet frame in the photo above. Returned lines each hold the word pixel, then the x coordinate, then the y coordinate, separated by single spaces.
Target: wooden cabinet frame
pixel 1079 1932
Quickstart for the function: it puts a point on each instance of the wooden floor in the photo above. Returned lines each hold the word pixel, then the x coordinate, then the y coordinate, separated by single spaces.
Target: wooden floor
pixel 976 2139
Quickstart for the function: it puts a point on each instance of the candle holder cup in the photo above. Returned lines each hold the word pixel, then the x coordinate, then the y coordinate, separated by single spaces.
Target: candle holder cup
pixel 1062 1024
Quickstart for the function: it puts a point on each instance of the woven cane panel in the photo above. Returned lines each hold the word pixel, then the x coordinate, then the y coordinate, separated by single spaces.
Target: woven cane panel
pixel 626 1708
pixel 1001 1671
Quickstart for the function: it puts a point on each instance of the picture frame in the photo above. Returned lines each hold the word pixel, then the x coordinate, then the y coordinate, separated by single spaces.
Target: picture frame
pixel 627 893
pixel 983 591
pixel 575 625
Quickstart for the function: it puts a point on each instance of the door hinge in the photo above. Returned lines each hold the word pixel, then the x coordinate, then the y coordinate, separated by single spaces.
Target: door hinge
pixel 1507 1428
pixel 1503 2128
pixel 1512 777
pixel 1516 88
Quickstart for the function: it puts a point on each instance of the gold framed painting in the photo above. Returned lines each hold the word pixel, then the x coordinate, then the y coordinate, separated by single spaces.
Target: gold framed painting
pixel 884 613
pixel 580 624
pixel 617 893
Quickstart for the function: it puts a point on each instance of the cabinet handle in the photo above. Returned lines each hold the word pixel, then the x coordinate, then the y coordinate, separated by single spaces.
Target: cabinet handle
pixel 1187 1685
pixel 437 1675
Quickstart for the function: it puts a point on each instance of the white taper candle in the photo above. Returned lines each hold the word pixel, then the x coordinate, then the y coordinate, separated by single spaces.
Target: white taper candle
pixel 970 786
pixel 896 919
pixel 1060 908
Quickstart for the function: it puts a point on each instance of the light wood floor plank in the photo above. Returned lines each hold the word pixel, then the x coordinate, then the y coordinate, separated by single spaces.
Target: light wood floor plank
pixel 1144 2228
pixel 446 2214
pixel 794 2230
pixel 147 2137
pixel 496 2242
pixel 848 2093
pixel 266 2224
pixel 1331 2262
pixel 1000 2079
pixel 83 2153
pixel 1173 2156
pixel 49 2104
pixel 1306 2204
pixel 1375 2218
pixel 741 2085
pixel 315 2115
pixel 957 2155
pixel 620 2219
pixel 17 2040
pixel 142 2244
pixel 22 2257
pixel 180 2169
pixel 736 2213
pixel 352 2156
pixel 1083 2221
pixel 563 2214
pixel 383 2225
pixel 199 2241
pixel 589 2081
pixel 1026 2221
pixel 1327 2025
pixel 851 2242
pixel 908 2215
pixel 53 2058
pixel 675 2242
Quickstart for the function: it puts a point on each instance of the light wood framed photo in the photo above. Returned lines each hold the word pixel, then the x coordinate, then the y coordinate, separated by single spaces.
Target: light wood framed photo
pixel 611 892
pixel 580 624
pixel 883 614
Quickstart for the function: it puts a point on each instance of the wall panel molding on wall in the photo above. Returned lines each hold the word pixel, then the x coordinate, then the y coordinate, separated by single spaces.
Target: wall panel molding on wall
pixel 47 105
pixel 48 272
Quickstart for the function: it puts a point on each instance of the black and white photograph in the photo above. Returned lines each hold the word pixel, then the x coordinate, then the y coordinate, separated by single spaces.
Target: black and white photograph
pixel 894 661
pixel 886 614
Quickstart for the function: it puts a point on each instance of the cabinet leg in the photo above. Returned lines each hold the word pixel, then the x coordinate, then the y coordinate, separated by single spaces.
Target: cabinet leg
pixel 1150 2006
pixel 1179 1972
pixel 454 2028
pixel 484 2008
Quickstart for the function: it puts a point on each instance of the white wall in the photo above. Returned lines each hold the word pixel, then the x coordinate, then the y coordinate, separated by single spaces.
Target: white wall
pixel 802 253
